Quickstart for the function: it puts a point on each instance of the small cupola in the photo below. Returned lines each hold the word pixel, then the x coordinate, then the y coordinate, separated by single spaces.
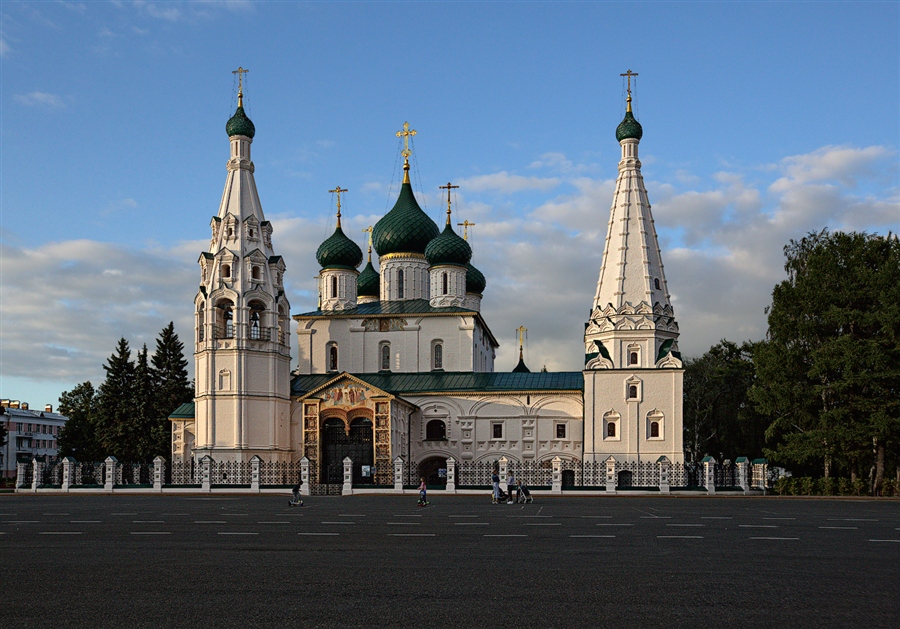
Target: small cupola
pixel 339 257
pixel 448 255
pixel 239 123
pixel 629 128
pixel 368 284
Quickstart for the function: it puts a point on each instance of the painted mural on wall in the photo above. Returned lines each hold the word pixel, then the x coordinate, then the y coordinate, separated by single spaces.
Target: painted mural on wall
pixel 344 396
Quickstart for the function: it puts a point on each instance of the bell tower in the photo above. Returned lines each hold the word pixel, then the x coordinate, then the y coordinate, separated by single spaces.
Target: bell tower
pixel 242 335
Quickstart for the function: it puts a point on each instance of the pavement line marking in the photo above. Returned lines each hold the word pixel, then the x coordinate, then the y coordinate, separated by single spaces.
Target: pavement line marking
pixel 462 516
pixel 840 528
pixel 210 522
pixel 758 526
pixel 21 521
pixel 779 518
pixel 656 517
pixel 776 538
pixel 151 532
pixel 716 517
pixel 851 520
pixel 407 515
pixel 148 521
pixel 885 540
pixel 318 533
pixel 529 516
pixel 165 515
pixel 615 524
pixel 679 537
pixel 606 536
pixel 488 535
pixel 596 517
pixel 56 514
pixel 543 524
pixel 233 533
pixel 471 523
pixel 411 535
pixel 123 514
pixel 282 522
pixel 351 515
pixel 338 522
pixel 399 523
pixel 84 521
pixel 685 525
pixel 2 532
pixel 59 533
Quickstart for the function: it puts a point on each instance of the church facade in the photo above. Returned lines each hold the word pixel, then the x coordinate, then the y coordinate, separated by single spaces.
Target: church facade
pixel 397 361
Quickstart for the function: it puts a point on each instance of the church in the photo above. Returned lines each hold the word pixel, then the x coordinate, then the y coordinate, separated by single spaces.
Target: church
pixel 397 361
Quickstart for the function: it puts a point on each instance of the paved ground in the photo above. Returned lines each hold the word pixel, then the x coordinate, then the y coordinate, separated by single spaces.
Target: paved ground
pixel 379 561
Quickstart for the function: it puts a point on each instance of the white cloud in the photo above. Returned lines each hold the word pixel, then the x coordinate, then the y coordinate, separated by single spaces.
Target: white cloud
pixel 40 99
pixel 505 183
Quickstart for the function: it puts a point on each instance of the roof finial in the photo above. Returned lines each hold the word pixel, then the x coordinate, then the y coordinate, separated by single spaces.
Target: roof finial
pixel 629 74
pixel 405 134
pixel 369 238
pixel 522 330
pixel 339 190
pixel 240 72
pixel 466 225
pixel 448 187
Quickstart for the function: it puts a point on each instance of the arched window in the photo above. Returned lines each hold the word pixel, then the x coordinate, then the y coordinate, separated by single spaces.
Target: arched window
pixel 201 323
pixel 654 429
pixel 226 271
pixel 255 273
pixel 611 429
pixel 225 320
pixel 386 357
pixel 656 283
pixel 633 358
pixel 332 358
pixel 655 424
pixel 632 392
pixel 334 287
pixel 438 361
pixel 256 319
pixel 444 283
pixel 435 429
pixel 400 284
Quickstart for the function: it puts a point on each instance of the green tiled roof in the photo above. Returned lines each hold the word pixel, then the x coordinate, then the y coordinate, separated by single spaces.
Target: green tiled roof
pixel 407 307
pixel 240 124
pixel 339 252
pixel 452 382
pixel 185 411
pixel 629 128
pixel 406 228
pixel 475 281
pixel 368 284
pixel 448 248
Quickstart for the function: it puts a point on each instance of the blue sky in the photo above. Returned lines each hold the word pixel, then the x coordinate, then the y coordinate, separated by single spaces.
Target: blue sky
pixel 762 121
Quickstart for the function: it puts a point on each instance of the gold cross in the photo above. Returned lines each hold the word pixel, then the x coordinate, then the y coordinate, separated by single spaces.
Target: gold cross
pixel 521 330
pixel 368 230
pixel 448 188
pixel 405 134
pixel 240 72
pixel 629 74
pixel 466 224
pixel 339 190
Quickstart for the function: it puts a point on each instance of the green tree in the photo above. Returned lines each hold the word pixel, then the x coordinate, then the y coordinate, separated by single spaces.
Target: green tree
pixel 78 438
pixel 828 374
pixel 140 441
pixel 171 387
pixel 718 417
pixel 115 417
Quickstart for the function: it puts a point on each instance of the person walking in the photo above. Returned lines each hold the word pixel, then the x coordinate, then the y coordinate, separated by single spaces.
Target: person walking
pixel 510 487
pixel 495 481
pixel 422 493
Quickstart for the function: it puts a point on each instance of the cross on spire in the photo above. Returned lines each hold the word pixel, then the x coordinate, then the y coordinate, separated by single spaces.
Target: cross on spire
pixel 368 230
pixel 448 188
pixel 338 190
pixel 406 133
pixel 240 72
pixel 522 334
pixel 466 225
pixel 629 74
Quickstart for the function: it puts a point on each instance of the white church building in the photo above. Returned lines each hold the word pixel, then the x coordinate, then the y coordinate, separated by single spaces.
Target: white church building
pixel 398 360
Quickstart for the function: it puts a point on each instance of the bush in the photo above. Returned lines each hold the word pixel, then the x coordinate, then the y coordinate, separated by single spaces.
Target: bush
pixel 782 486
pixel 844 487
pixel 826 486
pixel 805 486
pixel 888 487
pixel 860 487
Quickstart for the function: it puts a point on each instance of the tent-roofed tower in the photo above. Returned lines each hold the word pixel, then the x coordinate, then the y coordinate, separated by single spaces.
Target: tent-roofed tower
pixel 633 371
pixel 242 341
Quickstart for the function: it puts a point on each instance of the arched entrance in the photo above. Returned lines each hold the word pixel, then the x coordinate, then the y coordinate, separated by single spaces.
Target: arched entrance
pixel 434 471
pixel 338 443
pixel 625 479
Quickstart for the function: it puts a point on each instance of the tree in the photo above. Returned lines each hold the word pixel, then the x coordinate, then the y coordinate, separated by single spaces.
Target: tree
pixel 828 374
pixel 78 438
pixel 171 387
pixel 718 417
pixel 114 419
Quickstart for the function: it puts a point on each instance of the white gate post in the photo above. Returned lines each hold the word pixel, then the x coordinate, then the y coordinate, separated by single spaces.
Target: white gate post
pixel 709 473
pixel 664 464
pixel 451 475
pixel 158 473
pixel 304 476
pixel 556 486
pixel 37 472
pixel 254 473
pixel 742 465
pixel 504 468
pixel 347 490
pixel 67 472
pixel 205 473
pixel 611 475
pixel 110 480
pixel 20 475
pixel 398 475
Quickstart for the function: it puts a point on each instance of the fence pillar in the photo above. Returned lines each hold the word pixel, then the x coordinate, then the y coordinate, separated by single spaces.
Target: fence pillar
pixel 20 475
pixel 206 473
pixel 611 475
pixel 159 472
pixel 255 463
pixel 451 475
pixel 67 472
pixel 109 480
pixel 304 476
pixel 37 473
pixel 398 475
pixel 742 466
pixel 556 483
pixel 664 467
pixel 347 490
pixel 709 474
pixel 503 469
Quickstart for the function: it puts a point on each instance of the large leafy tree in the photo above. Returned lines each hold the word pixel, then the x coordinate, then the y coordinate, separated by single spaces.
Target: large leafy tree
pixel 828 374
pixel 718 417
pixel 78 438
pixel 171 387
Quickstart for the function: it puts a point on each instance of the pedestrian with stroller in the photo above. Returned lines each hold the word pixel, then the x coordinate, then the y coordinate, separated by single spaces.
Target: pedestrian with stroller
pixel 510 487
pixel 495 481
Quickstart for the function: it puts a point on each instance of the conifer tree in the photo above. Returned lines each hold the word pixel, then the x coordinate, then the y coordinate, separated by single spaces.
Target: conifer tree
pixel 78 438
pixel 139 446
pixel 171 387
pixel 114 423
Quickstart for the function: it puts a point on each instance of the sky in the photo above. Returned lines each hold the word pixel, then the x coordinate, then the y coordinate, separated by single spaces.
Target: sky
pixel 762 121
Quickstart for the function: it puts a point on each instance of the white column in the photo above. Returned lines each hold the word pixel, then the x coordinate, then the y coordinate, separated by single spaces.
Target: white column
pixel 205 465
pixel 664 465
pixel 20 475
pixel 347 489
pixel 67 472
pixel 743 481
pixel 611 475
pixel 158 473
pixel 304 476
pixel 37 472
pixel 111 465
pixel 451 475
pixel 254 473
pixel 709 474
pixel 398 475
pixel 556 487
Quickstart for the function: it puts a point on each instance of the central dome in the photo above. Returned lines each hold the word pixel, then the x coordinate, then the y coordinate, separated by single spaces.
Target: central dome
pixel 406 228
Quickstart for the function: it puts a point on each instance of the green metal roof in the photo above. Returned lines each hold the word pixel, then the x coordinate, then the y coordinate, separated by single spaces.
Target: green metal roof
pixel 448 248
pixel 475 281
pixel 339 252
pixel 406 228
pixel 407 307
pixel 240 124
pixel 368 284
pixel 185 411
pixel 451 382
pixel 629 128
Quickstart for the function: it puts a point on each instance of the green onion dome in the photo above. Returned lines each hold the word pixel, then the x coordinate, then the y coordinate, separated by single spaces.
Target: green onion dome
pixel 368 284
pixel 240 124
pixel 339 252
pixel 448 248
pixel 406 228
pixel 629 128
pixel 475 281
